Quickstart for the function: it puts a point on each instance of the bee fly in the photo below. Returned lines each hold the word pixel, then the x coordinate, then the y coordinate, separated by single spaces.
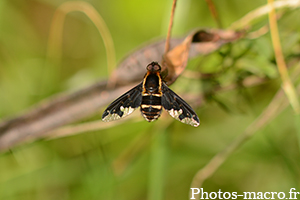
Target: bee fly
pixel 151 95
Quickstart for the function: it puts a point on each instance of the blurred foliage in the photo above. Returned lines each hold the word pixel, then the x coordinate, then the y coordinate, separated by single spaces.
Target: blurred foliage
pixel 84 166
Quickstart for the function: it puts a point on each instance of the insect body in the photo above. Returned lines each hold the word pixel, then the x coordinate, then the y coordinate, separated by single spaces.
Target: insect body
pixel 151 95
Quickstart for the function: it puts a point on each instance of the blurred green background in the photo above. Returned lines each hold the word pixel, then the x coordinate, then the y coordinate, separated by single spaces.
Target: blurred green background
pixel 139 160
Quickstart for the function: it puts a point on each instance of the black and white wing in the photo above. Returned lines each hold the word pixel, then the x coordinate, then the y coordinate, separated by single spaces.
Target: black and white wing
pixel 124 105
pixel 178 108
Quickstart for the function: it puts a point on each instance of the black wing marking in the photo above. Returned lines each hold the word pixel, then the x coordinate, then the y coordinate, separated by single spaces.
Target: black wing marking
pixel 124 105
pixel 178 108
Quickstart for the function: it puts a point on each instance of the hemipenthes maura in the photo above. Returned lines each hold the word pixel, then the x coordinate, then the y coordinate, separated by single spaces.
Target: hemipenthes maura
pixel 151 95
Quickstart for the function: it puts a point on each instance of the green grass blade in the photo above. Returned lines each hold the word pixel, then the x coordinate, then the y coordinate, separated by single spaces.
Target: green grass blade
pixel 158 165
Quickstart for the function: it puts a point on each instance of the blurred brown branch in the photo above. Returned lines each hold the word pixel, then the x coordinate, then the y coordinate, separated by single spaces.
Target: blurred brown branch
pixel 67 108
pixel 55 112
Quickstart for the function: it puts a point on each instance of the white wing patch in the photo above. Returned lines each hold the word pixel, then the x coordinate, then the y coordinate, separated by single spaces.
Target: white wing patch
pixel 126 111
pixel 190 121
pixel 115 116
pixel 187 120
pixel 111 117
pixel 175 113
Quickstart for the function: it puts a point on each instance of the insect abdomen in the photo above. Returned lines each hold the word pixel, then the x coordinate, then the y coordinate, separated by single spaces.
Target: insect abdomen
pixel 151 107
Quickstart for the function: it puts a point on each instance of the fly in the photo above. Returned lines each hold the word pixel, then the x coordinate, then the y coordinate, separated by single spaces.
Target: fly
pixel 151 95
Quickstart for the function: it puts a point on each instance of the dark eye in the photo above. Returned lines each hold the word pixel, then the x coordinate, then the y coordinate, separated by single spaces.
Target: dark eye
pixel 156 67
pixel 153 67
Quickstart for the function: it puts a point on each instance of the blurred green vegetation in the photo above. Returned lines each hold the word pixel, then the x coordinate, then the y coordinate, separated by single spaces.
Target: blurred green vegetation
pixel 83 166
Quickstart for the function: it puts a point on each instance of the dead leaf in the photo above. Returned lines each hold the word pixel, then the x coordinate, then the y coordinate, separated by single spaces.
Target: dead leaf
pixel 202 42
